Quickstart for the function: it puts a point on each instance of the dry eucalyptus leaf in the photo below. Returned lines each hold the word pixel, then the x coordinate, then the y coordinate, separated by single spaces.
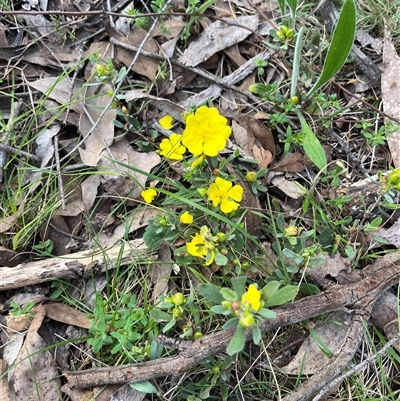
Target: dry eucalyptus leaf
pixel 291 163
pixel 264 156
pixel 160 272
pixel 66 314
pixel 332 267
pixel 123 152
pixel 218 36
pixel 103 135
pixel 44 142
pixel 391 235
pixel 290 188
pixel 243 138
pixel 36 377
pixel 310 359
pixel 62 91
pixel 391 92
pixel 6 223
pixel 89 189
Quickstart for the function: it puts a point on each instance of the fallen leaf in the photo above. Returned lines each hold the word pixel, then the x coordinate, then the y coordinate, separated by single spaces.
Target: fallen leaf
pixel 216 37
pixel 391 235
pixel 66 314
pixel 160 272
pixel 391 92
pixel 103 136
pixel 291 163
pixel 36 377
pixel 290 188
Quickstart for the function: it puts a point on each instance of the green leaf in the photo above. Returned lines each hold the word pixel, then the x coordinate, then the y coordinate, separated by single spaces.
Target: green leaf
pixel 309 289
pixel 238 285
pixel 321 345
pixel 237 341
pixel 231 323
pixel 296 60
pixel 266 313
pixel 312 145
pixel 256 335
pixel 220 310
pixel 292 5
pixel 228 294
pixel 283 296
pixel 340 47
pixel 220 259
pixel 211 293
pixel 270 289
pixel 144 387
pixel 160 316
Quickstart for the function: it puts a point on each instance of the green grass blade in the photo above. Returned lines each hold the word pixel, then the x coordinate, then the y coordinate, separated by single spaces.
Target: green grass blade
pixel 296 61
pixel 342 41
pixel 293 6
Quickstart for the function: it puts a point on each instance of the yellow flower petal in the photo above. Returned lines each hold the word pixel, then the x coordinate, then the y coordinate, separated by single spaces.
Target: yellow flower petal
pixel 172 148
pixel 236 193
pixel 186 218
pixel 196 246
pixel 252 297
pixel 222 193
pixel 149 194
pixel 166 122
pixel 206 132
pixel 228 205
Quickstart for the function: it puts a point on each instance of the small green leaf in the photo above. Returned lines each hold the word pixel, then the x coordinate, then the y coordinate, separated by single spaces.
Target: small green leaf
pixel 220 259
pixel 238 285
pixel 266 313
pixel 220 310
pixel 237 341
pixel 211 293
pixel 160 316
pixel 283 296
pixel 144 387
pixel 325 350
pixel 340 47
pixel 309 289
pixel 231 323
pixel 256 335
pixel 312 145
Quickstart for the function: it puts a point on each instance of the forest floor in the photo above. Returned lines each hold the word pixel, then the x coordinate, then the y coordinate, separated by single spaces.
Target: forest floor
pixel 199 200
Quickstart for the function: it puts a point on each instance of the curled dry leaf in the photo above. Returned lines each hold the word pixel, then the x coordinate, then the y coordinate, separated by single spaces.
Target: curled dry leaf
pixel 291 163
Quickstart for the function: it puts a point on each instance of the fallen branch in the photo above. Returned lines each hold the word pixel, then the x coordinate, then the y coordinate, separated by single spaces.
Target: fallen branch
pixel 358 297
pixel 78 265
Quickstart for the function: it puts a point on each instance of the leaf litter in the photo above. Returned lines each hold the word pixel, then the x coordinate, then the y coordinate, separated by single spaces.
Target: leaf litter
pixel 222 56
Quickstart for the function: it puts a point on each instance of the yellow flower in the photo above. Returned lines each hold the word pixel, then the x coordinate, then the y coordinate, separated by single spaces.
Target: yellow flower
pixel 149 194
pixel 202 245
pixel 292 231
pixel 171 147
pixel 166 122
pixel 252 298
pixel 186 218
pixel 206 132
pixel 222 193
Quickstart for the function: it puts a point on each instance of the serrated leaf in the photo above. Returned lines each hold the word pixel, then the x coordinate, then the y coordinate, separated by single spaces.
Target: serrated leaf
pixel 340 47
pixel 237 341
pixel 283 296
pixel 312 146
pixel 211 293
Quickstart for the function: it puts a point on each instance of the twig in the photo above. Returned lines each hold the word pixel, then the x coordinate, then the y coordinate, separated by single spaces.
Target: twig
pixel 355 368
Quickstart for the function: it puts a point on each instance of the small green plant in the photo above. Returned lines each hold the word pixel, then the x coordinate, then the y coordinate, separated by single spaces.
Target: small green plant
pixel 260 64
pixel 17 310
pixel 138 22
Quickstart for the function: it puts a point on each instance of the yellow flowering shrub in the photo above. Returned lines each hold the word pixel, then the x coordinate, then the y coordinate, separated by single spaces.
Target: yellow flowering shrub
pixel 172 147
pixel 149 195
pixel 222 193
pixel 251 298
pixel 206 132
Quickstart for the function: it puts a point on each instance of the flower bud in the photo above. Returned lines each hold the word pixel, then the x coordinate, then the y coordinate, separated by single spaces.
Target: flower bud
pixel 178 299
pixel 235 305
pixel 221 237
pixel 215 370
pixel 197 335
pixel 177 312
pixel 251 176
pixel 227 305
pixel 247 320
pixel 295 99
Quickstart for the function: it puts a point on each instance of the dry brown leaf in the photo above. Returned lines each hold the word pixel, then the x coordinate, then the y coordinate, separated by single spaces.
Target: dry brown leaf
pixel 123 152
pixel 103 135
pixel 6 223
pixel 4 391
pixel 262 133
pixel 160 273
pixel 290 188
pixel 310 359
pixel 391 235
pixel 291 163
pixel 391 92
pixel 36 377
pixel 243 138
pixel 89 189
pixel 264 156
pixel 332 267
pixel 61 90
pixel 10 258
pixel 216 37
pixel 66 314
